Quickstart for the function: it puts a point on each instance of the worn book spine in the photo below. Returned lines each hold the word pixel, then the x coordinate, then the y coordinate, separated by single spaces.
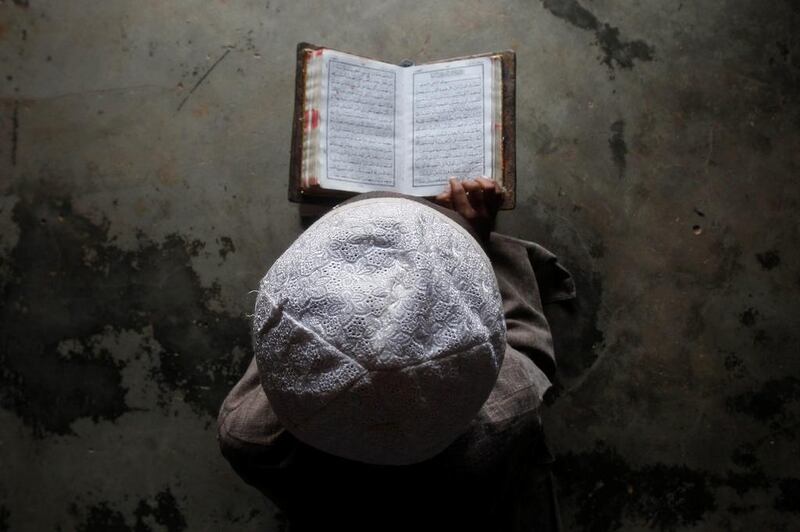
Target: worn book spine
pixel 509 155
pixel 304 51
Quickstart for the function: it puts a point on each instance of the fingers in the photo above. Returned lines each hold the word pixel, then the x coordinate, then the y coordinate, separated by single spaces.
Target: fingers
pixel 477 200
pixel 459 198
pixel 493 193
pixel 444 199
pixel 486 183
pixel 480 197
pixel 474 192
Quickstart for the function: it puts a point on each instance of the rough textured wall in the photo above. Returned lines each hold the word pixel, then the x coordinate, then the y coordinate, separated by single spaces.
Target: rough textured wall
pixel 143 163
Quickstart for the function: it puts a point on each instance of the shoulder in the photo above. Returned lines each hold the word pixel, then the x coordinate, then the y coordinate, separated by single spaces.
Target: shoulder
pixel 246 420
pixel 515 256
pixel 519 389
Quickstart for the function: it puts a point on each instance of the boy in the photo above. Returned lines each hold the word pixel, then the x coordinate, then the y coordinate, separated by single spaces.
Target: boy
pixel 402 354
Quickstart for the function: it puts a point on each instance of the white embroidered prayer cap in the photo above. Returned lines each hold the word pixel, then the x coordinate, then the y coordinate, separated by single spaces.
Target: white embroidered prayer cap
pixel 379 333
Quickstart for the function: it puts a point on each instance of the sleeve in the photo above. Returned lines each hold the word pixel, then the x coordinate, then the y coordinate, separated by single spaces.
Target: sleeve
pixel 255 444
pixel 247 428
pixel 529 276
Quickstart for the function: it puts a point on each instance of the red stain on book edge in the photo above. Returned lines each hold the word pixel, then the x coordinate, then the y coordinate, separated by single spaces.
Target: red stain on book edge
pixel 311 119
pixel 313 181
pixel 317 53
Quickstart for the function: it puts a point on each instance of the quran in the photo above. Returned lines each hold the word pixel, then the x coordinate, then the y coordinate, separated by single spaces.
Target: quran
pixel 362 125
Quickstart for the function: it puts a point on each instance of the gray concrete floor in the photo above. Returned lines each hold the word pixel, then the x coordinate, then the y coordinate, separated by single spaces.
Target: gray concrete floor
pixel 142 195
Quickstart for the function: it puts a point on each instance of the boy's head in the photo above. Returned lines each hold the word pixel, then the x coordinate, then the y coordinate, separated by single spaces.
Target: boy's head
pixel 379 333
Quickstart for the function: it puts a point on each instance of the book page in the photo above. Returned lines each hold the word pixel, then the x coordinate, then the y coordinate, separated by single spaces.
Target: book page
pixel 451 128
pixel 359 124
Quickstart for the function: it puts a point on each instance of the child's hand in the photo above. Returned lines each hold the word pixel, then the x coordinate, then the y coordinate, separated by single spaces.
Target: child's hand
pixel 477 200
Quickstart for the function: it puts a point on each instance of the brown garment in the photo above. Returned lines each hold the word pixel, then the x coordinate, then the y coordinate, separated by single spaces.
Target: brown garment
pixel 495 476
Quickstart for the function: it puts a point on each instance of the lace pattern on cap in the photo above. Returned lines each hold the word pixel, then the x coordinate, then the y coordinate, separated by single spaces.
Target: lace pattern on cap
pixel 389 282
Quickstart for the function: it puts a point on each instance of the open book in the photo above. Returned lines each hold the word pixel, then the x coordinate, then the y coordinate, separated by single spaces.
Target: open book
pixel 363 125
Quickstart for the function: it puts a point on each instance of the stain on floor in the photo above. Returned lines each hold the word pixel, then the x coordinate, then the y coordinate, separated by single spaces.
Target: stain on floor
pixel 162 513
pixel 617 52
pixel 85 284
